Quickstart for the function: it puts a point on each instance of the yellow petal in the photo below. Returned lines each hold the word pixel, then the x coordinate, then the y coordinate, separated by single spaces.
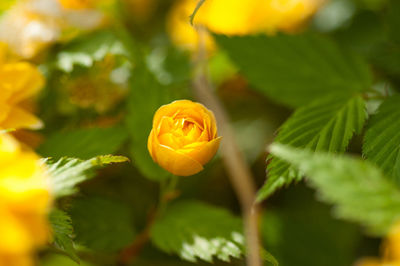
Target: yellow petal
pixel 4 111
pixel 150 143
pixel 9 148
pixel 23 79
pixel 19 118
pixel 191 109
pixel 174 162
pixel 14 237
pixel 204 153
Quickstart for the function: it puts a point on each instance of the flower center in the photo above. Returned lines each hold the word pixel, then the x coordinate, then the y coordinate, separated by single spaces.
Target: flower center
pixel 178 132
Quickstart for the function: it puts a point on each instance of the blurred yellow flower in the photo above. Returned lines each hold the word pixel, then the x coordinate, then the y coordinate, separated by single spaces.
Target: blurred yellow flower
pixel 96 89
pixel 84 4
pixel 238 17
pixel 183 138
pixel 24 203
pixel 77 4
pixel 391 251
pixel 30 26
pixel 19 81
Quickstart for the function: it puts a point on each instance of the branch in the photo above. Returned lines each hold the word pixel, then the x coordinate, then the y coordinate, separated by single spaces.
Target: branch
pixel 238 170
pixel 199 4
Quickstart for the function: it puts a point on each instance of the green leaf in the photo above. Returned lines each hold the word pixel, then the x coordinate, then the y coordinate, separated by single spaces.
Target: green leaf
pixel 67 173
pixel 88 49
pixel 62 233
pixel 394 20
pixel 300 224
pixel 326 124
pixel 195 230
pixel 102 224
pixel 52 259
pixel 83 143
pixel 359 191
pixel 382 138
pixel 296 69
pixel 146 96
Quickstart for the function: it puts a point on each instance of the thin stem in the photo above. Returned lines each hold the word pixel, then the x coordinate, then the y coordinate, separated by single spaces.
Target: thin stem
pixel 238 170
pixel 167 188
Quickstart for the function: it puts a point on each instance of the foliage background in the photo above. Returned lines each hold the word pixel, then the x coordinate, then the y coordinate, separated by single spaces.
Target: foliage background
pixel 321 87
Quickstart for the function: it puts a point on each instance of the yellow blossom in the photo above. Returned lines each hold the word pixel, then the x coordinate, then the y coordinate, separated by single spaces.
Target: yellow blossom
pixel 237 17
pixel 391 251
pixel 24 203
pixel 19 82
pixel 30 26
pixel 183 138
pixel 77 4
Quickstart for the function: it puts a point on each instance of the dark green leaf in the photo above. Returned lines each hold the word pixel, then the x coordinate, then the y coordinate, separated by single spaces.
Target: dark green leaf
pixel 382 138
pixel 358 190
pixel 327 124
pixel 301 224
pixel 62 232
pixel 296 69
pixel 195 230
pixel 83 143
pixel 102 224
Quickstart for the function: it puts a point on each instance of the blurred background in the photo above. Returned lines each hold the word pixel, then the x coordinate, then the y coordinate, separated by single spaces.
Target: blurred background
pixel 98 56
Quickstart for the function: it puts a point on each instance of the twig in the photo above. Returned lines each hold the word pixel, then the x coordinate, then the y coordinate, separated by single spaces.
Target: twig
pixel 199 4
pixel 167 193
pixel 239 172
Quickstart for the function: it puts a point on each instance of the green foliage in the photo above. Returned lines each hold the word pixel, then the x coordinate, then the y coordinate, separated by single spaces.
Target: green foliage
pixel 296 69
pixel 394 21
pixel 102 224
pixel 358 190
pixel 62 233
pixel 67 173
pixel 300 224
pixel 86 50
pixel 60 260
pixel 83 143
pixel 146 96
pixel 195 230
pixel 326 124
pixel 382 138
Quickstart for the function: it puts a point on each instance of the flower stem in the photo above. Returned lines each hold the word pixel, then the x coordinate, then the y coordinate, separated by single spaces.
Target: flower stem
pixel 233 159
pixel 167 193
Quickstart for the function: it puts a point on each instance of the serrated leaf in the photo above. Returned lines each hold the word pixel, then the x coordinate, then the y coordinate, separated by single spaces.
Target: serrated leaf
pixel 62 230
pixel 327 124
pixel 83 143
pixel 359 190
pixel 67 173
pixel 102 224
pixel 296 69
pixel 382 138
pixel 195 230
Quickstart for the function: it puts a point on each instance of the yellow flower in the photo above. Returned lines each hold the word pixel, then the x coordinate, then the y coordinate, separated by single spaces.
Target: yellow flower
pixel 77 4
pixel 30 26
pixel 391 250
pixel 24 203
pixel 237 17
pixel 19 81
pixel 183 138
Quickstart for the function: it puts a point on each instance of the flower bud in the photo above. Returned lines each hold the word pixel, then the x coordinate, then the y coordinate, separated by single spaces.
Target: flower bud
pixel 183 137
